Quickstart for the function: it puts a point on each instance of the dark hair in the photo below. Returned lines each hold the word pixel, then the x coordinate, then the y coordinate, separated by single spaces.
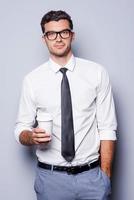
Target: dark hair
pixel 55 16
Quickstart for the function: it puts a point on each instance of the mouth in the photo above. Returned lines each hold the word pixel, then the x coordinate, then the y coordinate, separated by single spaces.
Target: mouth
pixel 59 46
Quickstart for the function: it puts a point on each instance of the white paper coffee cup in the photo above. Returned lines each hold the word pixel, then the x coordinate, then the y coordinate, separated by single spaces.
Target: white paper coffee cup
pixel 45 122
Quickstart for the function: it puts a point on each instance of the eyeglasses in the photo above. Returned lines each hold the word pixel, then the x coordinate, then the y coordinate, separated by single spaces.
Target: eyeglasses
pixel 52 35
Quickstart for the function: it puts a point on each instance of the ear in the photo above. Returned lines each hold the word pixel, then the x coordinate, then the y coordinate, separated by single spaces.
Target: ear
pixel 43 39
pixel 73 35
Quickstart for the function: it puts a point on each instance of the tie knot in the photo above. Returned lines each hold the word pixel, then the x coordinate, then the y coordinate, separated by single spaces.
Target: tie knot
pixel 63 70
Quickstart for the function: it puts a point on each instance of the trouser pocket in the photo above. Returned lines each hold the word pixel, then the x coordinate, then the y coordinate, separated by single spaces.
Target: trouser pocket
pixel 38 185
pixel 106 181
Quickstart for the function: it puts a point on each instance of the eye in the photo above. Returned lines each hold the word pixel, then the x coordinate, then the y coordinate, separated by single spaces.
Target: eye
pixel 65 32
pixel 50 33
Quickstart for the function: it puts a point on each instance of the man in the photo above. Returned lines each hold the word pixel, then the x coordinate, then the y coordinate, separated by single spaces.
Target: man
pixel 76 95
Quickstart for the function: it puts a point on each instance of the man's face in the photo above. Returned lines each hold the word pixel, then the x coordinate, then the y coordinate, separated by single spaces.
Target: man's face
pixel 59 47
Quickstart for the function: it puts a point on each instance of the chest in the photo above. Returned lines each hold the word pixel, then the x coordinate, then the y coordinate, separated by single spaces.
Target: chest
pixel 48 93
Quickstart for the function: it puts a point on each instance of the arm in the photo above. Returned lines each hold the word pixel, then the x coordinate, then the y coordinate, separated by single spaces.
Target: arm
pixel 24 132
pixel 25 138
pixel 26 114
pixel 106 120
pixel 107 148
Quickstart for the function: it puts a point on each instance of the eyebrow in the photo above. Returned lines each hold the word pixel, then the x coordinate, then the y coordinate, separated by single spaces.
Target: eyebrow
pixel 58 31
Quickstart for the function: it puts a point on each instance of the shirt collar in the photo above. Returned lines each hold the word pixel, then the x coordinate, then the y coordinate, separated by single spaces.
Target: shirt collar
pixel 56 67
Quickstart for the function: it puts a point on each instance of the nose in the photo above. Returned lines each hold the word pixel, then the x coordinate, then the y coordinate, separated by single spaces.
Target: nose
pixel 58 38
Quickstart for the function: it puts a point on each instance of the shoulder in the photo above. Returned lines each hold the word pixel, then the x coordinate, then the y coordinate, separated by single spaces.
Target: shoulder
pixel 37 72
pixel 89 65
pixel 92 71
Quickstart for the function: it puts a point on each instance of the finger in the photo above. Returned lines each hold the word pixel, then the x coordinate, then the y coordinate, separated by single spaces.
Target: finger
pixel 43 140
pixel 38 130
pixel 41 135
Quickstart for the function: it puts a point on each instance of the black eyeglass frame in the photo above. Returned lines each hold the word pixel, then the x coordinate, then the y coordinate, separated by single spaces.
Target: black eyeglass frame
pixel 56 34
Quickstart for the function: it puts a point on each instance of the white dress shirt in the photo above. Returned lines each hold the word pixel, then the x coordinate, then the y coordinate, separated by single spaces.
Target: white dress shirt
pixel 92 103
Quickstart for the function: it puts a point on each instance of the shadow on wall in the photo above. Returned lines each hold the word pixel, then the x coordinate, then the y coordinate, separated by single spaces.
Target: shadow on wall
pixel 118 161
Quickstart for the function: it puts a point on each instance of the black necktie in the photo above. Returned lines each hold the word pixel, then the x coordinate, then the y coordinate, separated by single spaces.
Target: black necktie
pixel 67 129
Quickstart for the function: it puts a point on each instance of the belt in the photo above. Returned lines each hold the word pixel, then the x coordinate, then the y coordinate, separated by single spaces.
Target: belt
pixel 69 170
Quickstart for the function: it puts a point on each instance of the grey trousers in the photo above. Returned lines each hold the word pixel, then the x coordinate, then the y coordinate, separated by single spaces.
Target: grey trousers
pixel 93 184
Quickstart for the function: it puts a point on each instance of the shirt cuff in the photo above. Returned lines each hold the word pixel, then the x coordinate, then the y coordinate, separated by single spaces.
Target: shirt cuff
pixel 107 135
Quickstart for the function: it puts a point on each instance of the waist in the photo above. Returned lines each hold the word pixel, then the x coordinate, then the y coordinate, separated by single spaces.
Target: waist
pixel 70 170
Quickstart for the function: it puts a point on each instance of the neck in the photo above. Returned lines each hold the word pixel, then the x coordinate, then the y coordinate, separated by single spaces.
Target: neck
pixel 61 60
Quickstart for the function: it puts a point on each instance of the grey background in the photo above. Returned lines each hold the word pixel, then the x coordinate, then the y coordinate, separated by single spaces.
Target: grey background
pixel 104 33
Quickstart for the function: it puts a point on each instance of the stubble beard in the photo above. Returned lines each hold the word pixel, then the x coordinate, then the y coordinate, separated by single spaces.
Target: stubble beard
pixel 61 54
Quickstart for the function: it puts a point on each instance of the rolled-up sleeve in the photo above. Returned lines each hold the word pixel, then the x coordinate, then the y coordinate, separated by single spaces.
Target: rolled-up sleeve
pixel 106 117
pixel 27 110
